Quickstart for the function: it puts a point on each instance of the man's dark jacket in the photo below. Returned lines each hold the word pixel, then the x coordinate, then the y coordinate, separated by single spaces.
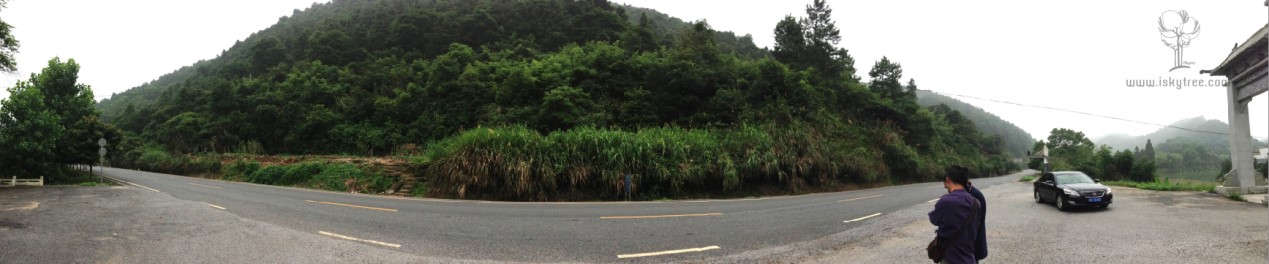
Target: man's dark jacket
pixel 951 213
pixel 980 242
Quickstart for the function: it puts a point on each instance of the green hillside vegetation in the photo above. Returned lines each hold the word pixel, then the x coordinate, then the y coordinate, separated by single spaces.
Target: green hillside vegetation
pixel 555 100
pixel 1016 141
pixel 1072 150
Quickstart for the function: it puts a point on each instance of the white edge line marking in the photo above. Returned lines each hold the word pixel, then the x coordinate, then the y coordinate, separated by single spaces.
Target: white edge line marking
pixel 932 187
pixel 667 252
pixel 862 218
pixel 143 187
pixel 931 201
pixel 359 240
pixel 860 198
pixel 215 206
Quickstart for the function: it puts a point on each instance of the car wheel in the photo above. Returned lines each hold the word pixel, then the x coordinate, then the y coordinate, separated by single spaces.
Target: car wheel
pixel 1061 202
pixel 1037 197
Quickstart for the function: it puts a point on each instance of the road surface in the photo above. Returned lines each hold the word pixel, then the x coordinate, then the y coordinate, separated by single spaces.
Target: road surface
pixel 651 232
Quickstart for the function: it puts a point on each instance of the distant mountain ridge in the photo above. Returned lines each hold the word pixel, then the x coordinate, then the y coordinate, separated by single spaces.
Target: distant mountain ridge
pixel 1209 132
pixel 1017 141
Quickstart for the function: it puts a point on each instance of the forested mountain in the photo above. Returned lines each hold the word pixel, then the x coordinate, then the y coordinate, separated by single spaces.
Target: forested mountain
pixel 1191 126
pixel 665 27
pixel 1196 152
pixel 409 31
pixel 539 99
pixel 1016 141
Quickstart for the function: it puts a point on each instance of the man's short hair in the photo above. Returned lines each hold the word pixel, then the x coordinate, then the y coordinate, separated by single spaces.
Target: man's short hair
pixel 958 174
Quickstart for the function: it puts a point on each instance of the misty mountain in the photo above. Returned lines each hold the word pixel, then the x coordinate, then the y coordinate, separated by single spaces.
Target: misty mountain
pixel 1209 132
pixel 1017 141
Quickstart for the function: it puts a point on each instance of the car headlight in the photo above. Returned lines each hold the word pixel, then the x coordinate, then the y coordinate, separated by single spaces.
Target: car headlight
pixel 1107 190
pixel 1071 192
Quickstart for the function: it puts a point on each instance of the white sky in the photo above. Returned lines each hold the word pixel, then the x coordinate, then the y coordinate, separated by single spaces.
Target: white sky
pixel 1067 54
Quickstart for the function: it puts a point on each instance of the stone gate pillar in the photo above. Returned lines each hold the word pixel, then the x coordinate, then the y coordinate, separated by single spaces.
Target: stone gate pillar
pixel 1248 76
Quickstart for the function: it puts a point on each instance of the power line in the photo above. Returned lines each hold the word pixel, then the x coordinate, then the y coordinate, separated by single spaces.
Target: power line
pixel 1090 114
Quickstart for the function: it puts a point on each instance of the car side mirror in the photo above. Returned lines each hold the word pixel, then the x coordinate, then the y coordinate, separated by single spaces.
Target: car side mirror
pixel 1097 180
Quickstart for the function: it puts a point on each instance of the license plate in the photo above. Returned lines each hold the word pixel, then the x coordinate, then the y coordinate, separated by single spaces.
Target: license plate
pixel 1094 200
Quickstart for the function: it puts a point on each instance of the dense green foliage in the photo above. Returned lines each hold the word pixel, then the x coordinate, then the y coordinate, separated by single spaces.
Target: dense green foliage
pixel 655 29
pixel 49 121
pixel 8 45
pixel 1071 150
pixel 541 100
pixel 318 175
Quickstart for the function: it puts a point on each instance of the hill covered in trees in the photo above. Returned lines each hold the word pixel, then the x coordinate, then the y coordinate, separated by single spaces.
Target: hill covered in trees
pixel 1016 141
pixel 1193 129
pixel 1193 148
pixel 545 100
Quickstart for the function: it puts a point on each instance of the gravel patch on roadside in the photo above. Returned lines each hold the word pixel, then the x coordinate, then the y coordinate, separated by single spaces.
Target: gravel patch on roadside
pixel 1140 227
pixel 129 225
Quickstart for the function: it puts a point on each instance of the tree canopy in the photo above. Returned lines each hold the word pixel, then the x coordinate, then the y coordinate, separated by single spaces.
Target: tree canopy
pixel 49 120
pixel 369 77
pixel 8 45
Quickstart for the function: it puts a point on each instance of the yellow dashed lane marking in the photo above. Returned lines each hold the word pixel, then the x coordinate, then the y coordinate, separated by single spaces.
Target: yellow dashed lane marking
pixel 658 216
pixel 354 206
pixel 208 186
pixel 860 198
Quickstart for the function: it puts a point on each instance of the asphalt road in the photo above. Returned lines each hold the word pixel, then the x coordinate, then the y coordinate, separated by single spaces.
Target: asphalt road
pixel 743 230
pixel 1141 226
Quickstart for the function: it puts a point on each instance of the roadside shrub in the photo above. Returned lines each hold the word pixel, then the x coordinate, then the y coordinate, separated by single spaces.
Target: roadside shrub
pixel 335 176
pixel 299 172
pixel 240 170
pixel 268 175
pixel 517 163
pixel 157 160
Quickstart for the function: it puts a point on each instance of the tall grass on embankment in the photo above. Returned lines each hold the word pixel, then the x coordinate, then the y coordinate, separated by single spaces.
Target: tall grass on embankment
pixel 517 163
pixel 1166 185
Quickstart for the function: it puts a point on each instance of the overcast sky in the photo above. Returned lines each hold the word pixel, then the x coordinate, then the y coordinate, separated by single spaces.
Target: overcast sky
pixel 1074 55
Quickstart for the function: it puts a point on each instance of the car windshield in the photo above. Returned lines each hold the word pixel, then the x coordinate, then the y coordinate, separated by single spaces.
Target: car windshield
pixel 1070 178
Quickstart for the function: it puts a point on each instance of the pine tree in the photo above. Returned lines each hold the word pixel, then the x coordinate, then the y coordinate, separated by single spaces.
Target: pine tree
pixel 811 42
pixel 1148 153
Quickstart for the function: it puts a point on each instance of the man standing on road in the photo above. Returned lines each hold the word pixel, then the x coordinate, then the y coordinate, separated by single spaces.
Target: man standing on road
pixel 955 216
pixel 980 241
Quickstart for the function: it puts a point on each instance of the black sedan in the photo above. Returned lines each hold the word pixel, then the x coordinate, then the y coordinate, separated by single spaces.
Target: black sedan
pixel 1071 189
